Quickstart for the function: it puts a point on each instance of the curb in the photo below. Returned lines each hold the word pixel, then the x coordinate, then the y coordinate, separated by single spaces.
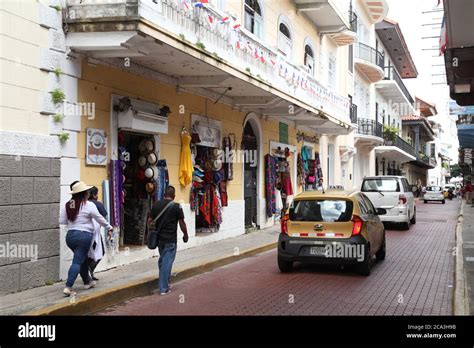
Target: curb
pixel 90 304
pixel 460 298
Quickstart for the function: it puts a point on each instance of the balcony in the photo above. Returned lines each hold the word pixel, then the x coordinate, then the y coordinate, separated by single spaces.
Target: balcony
pixel 392 88
pixel 201 50
pixel 377 10
pixel 327 15
pixel 346 36
pixel 369 127
pixel 369 61
pixel 396 149
pixel 424 161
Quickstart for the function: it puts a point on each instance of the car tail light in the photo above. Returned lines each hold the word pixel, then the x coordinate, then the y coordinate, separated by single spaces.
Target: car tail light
pixel 284 224
pixel 402 199
pixel 357 228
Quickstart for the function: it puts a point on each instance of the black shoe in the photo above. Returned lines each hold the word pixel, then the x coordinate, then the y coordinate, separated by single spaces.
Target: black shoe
pixel 94 278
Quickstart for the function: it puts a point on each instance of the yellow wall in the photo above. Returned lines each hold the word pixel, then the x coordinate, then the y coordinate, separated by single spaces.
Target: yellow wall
pixel 99 83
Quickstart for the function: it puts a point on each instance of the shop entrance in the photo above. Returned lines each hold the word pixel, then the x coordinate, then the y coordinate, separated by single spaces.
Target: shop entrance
pixel 249 143
pixel 141 176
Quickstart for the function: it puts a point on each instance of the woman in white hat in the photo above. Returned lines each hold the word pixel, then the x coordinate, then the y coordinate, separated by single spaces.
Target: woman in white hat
pixel 78 215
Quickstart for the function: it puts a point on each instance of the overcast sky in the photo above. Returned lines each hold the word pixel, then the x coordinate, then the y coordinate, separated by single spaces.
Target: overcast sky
pixel 413 23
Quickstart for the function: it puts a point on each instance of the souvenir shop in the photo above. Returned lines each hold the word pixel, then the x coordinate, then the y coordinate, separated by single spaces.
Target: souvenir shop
pixel 137 177
pixel 279 177
pixel 309 167
pixel 210 171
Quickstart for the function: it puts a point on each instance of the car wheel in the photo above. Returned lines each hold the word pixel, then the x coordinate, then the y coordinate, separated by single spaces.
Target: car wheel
pixel 285 266
pixel 406 225
pixel 380 255
pixel 365 266
pixel 413 219
pixel 425 201
pixel 444 201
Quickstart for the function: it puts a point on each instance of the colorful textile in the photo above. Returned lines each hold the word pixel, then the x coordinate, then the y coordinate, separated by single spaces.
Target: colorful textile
pixel 270 183
pixel 162 182
pixel 186 163
pixel 116 191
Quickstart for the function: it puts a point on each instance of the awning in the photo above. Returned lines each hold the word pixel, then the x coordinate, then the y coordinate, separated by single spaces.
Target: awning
pixel 393 153
pixel 466 135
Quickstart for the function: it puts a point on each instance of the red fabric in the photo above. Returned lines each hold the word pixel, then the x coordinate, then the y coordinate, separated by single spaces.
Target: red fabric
pixel 286 184
pixel 223 192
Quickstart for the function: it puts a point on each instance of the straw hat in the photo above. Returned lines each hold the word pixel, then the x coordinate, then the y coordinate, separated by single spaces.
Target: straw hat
pixel 79 187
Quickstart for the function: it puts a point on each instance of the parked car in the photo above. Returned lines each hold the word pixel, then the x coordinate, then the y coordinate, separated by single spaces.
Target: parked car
pixel 394 194
pixel 319 222
pixel 434 193
pixel 446 189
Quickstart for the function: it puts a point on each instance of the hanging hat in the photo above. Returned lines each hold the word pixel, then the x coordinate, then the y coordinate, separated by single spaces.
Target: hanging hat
pixel 142 146
pixel 79 187
pixel 150 187
pixel 197 179
pixel 150 145
pixel 142 161
pixel 199 168
pixel 152 158
pixel 198 173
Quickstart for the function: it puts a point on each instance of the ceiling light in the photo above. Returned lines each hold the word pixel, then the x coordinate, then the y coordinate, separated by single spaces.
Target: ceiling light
pixel 465 88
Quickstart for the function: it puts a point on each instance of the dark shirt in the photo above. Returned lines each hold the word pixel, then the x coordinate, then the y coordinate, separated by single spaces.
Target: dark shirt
pixel 100 207
pixel 169 230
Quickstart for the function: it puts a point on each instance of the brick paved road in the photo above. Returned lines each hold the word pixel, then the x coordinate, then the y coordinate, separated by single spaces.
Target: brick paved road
pixel 418 272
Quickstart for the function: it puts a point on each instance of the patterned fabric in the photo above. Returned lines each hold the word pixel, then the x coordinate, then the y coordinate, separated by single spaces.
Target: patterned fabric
pixel 270 182
pixel 162 182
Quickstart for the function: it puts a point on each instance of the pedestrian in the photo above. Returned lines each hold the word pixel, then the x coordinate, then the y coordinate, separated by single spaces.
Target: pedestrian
pixel 97 250
pixel 319 186
pixel 171 215
pixel 468 189
pixel 78 214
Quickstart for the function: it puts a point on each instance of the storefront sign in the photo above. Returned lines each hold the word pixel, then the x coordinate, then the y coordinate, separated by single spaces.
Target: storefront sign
pixel 455 109
pixel 209 130
pixel 96 144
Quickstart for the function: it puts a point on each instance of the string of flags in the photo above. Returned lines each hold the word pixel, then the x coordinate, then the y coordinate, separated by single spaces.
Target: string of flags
pixel 290 74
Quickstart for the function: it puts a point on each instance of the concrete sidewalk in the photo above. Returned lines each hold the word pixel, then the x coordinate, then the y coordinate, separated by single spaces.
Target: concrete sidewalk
pixel 465 264
pixel 140 278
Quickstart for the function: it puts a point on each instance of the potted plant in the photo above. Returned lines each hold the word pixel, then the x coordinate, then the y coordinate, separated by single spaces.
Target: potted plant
pixel 389 134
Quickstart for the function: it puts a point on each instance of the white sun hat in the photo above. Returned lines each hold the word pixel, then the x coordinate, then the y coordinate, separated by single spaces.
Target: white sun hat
pixel 79 187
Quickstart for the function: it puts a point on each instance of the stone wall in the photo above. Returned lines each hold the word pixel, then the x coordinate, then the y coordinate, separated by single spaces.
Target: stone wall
pixel 29 216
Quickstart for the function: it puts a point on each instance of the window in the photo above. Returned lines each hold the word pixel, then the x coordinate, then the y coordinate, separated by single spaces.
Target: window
pixel 309 59
pixel 332 71
pixel 433 150
pixel 328 210
pixel 253 18
pixel 351 58
pixel 368 204
pixel 377 185
pixel 284 39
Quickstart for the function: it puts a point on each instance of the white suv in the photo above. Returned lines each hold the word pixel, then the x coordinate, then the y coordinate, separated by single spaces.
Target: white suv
pixel 392 193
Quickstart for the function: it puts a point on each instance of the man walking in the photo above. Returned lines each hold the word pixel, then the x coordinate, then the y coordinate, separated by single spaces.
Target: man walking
pixel 168 235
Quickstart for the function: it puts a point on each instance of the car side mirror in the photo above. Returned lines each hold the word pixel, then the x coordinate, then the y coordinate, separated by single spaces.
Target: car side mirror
pixel 381 211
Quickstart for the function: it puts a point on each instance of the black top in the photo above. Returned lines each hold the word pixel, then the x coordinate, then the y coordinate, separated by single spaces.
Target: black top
pixel 169 230
pixel 100 207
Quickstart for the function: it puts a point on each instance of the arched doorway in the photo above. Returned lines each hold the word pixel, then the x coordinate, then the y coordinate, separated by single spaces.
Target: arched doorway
pixel 250 145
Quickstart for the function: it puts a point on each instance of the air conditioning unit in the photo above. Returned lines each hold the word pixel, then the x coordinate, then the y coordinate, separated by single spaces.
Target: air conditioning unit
pixel 143 117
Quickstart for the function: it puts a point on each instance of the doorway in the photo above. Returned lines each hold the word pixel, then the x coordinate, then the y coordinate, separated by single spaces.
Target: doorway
pixel 250 145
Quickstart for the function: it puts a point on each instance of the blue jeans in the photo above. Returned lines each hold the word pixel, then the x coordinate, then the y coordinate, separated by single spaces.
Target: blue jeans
pixel 165 263
pixel 79 242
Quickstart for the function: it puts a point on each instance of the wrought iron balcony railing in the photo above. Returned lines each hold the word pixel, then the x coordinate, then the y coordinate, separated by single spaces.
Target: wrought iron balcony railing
pixel 368 54
pixel 392 74
pixel 369 127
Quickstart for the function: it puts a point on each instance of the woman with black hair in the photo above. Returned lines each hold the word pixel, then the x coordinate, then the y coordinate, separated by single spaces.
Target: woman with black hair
pixel 78 214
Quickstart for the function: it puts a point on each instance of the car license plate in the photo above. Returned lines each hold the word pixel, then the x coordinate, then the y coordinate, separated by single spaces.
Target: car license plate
pixel 318 251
